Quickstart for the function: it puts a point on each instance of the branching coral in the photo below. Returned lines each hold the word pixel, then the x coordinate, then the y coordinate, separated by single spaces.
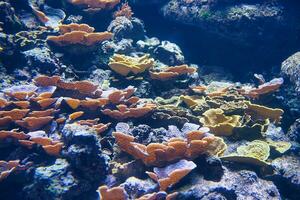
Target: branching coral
pixel 124 65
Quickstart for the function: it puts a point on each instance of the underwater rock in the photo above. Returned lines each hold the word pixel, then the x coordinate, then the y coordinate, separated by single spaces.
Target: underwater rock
pixel 100 76
pixel 287 176
pixel 136 187
pixel 242 21
pixel 8 17
pixel 290 68
pixel 7 47
pixel 169 53
pixel 124 46
pixel 53 182
pixel 233 185
pixel 148 45
pixel 145 134
pixel 124 28
pixel 294 131
pixel 42 59
pixel 84 152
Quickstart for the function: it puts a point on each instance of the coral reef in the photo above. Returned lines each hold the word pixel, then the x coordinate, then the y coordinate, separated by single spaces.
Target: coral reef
pixel 131 114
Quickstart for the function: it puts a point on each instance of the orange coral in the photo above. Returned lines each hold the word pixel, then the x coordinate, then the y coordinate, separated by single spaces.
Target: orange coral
pixel 6 168
pixel 116 193
pixel 158 154
pixel 93 104
pixel 3 103
pixel 84 87
pixel 265 88
pixel 73 103
pixel 172 72
pixel 40 15
pixel 66 28
pixel 53 149
pixel 4 121
pixel 22 104
pixel 43 113
pixel 45 81
pixel 81 34
pixel 93 123
pixel 75 115
pixel 44 103
pixel 15 114
pixel 34 123
pixel 13 134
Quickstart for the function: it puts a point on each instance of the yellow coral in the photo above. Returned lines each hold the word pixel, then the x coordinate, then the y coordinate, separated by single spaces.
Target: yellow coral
pixel 123 65
pixel 257 149
pixel 219 123
pixel 264 112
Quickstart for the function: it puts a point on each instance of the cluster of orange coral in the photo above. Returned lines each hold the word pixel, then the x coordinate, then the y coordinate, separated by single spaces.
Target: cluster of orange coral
pixel 31 107
pixel 51 147
pixel 83 87
pixel 157 154
pixel 172 72
pixel 80 34
pixel 126 105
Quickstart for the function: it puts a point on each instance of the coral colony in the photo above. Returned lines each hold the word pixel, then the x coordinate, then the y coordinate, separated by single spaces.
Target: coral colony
pixel 91 107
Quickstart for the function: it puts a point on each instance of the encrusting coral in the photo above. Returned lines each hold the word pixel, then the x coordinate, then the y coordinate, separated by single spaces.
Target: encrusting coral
pixel 124 65
pixel 78 34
